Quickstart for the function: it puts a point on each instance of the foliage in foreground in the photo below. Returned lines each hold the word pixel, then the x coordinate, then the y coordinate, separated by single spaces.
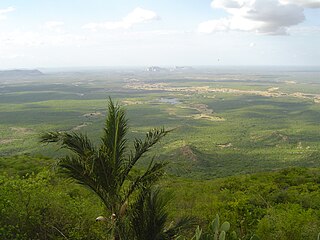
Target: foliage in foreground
pixel 278 205
pixel 215 231
pixel 131 203
pixel 44 207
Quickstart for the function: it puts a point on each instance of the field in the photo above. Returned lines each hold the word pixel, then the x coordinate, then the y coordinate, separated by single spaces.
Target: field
pixel 226 121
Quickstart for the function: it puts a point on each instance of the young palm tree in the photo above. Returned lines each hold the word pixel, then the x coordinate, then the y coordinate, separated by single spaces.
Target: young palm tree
pixel 105 169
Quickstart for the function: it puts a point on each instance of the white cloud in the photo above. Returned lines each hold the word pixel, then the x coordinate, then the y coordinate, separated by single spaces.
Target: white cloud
pixel 29 39
pixel 13 56
pixel 303 3
pixel 305 30
pixel 271 17
pixel 53 26
pixel 138 15
pixel 214 25
pixel 3 12
pixel 226 4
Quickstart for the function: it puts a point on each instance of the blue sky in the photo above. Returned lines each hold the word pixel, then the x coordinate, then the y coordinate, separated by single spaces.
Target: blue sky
pixel 83 33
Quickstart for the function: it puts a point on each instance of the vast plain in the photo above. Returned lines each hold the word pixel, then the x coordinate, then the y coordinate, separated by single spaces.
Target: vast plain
pixel 226 121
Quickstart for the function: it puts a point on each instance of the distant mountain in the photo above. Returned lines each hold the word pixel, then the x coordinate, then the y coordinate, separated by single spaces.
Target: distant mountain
pixel 160 69
pixel 155 69
pixel 20 73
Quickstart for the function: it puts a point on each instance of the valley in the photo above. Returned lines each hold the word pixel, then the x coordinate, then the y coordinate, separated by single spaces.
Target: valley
pixel 229 123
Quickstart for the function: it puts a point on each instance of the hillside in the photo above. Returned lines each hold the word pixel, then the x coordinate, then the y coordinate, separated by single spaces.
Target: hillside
pixel 20 73
pixel 274 205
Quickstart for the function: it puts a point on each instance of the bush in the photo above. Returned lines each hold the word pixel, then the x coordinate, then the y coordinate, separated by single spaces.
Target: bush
pixel 41 207
pixel 289 222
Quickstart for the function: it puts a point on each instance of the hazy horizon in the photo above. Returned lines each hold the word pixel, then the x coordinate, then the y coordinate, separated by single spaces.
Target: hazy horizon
pixel 167 67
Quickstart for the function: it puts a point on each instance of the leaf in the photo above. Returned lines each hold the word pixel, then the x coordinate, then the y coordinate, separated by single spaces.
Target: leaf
pixel 222 235
pixel 197 234
pixel 225 227
pixel 215 224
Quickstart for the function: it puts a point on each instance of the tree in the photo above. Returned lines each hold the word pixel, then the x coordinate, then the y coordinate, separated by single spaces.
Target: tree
pixel 106 169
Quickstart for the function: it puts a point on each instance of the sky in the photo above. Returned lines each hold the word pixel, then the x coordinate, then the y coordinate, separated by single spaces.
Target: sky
pixel 93 33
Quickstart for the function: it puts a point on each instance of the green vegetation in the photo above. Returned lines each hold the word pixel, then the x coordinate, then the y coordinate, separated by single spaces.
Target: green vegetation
pixel 274 205
pixel 42 206
pixel 215 231
pixel 269 121
pixel 135 210
pixel 249 154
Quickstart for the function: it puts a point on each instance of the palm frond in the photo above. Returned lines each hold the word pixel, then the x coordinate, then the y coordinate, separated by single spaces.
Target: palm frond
pixel 105 173
pixel 141 147
pixel 149 215
pixel 76 142
pixel 184 223
pixel 153 173
pixel 116 128
pixel 75 168
pixel 50 137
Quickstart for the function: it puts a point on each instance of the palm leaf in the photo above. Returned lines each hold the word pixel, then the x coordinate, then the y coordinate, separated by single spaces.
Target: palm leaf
pixel 76 169
pixel 141 147
pixel 184 223
pixel 148 217
pixel 114 141
pixel 153 173
pixel 76 142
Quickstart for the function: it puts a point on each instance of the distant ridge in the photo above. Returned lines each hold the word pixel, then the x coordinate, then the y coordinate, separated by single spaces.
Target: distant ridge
pixel 20 73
